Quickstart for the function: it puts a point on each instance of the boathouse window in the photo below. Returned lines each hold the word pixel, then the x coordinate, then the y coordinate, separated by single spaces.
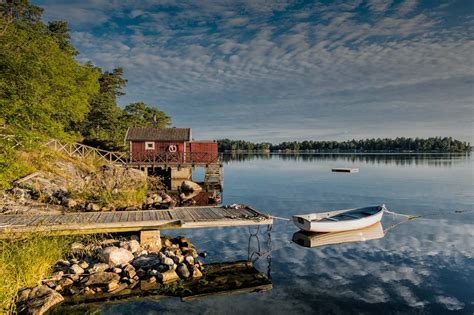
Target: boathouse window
pixel 150 145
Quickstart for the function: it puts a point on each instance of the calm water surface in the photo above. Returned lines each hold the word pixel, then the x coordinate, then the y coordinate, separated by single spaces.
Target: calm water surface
pixel 422 266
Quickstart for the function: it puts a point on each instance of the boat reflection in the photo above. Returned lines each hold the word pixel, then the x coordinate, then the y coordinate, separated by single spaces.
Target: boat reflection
pixel 312 239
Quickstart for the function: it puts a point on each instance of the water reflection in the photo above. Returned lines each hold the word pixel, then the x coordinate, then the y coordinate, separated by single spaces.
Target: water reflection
pixel 315 239
pixel 440 160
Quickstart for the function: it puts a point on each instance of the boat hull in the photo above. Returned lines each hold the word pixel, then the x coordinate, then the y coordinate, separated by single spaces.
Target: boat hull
pixel 306 223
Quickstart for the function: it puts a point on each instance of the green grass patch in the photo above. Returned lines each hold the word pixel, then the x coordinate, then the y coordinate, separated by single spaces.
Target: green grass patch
pixel 24 262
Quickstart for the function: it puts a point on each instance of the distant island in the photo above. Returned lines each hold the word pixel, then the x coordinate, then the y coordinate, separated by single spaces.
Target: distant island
pixel 385 145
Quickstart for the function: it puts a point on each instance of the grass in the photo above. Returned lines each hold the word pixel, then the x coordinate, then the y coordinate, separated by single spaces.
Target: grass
pixel 23 263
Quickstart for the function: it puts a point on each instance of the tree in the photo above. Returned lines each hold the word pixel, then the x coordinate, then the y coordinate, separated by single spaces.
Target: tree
pixel 42 87
pixel 141 115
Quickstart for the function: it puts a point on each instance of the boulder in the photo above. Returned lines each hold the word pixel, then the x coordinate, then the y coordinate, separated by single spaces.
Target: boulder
pixel 129 271
pixel 83 264
pixel 115 256
pixel 41 299
pixel 189 260
pixel 168 261
pixel 102 278
pixel 70 203
pixel 146 261
pixel 65 282
pixel 148 283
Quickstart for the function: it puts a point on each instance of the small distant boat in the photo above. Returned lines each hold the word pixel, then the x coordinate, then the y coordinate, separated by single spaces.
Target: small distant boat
pixel 345 170
pixel 315 239
pixel 339 220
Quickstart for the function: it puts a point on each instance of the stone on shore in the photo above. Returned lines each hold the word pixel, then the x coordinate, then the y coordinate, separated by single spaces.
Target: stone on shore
pixel 41 299
pixel 76 269
pixel 183 271
pixel 98 267
pixel 168 276
pixel 102 278
pixel 132 246
pixel 146 261
pixel 115 256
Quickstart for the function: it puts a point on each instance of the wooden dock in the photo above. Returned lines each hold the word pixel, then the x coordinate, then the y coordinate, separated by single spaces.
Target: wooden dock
pixel 126 221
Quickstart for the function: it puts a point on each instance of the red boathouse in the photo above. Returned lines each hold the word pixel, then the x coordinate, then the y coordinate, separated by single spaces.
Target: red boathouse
pixel 169 146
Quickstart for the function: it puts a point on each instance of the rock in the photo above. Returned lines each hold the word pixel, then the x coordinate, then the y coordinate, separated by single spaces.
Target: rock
pixel 132 246
pixel 197 273
pixel 129 271
pixel 115 256
pixel 41 299
pixel 112 286
pixel 148 284
pixel 183 271
pixel 119 287
pixel 169 253
pixel 76 269
pixel 203 254
pixel 88 291
pixel 135 238
pixel 166 242
pixel 93 207
pixel 140 273
pixel 56 276
pixel 102 278
pixel 168 261
pixel 22 296
pixel 70 203
pixel 83 264
pixel 63 263
pixel 168 276
pixel 65 282
pixel 189 260
pixel 117 270
pixel 74 260
pixel 178 259
pixel 58 288
pixel 153 272
pixel 191 252
pixel 146 261
pixel 98 268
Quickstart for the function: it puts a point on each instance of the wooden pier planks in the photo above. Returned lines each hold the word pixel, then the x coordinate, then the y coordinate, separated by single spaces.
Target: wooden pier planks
pixel 123 221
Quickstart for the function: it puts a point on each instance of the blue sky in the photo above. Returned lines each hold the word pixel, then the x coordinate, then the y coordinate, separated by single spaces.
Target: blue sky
pixel 280 70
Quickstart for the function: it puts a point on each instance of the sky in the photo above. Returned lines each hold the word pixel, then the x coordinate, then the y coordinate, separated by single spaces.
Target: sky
pixel 264 70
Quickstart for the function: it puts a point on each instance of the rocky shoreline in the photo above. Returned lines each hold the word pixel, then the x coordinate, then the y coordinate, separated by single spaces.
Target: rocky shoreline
pixel 111 266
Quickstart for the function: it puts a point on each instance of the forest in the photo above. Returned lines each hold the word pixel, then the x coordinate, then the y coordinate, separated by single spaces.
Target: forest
pixel 433 144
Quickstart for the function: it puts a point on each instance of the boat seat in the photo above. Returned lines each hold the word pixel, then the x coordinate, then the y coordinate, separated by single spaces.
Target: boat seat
pixel 331 219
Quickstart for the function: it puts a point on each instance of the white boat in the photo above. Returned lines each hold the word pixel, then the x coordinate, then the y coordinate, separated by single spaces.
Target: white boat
pixel 339 220
pixel 315 239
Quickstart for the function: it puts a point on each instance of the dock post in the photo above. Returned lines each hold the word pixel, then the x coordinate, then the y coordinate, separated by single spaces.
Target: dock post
pixel 151 240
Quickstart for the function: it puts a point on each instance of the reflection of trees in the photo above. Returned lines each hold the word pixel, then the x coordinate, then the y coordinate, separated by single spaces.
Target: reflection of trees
pixel 383 159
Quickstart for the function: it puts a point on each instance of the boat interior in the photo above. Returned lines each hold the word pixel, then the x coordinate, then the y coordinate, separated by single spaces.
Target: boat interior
pixel 341 215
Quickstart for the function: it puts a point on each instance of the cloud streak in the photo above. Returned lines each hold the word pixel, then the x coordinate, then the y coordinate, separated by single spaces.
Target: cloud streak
pixel 284 62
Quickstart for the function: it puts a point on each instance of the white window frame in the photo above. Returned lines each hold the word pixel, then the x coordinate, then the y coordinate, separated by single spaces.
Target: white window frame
pixel 148 143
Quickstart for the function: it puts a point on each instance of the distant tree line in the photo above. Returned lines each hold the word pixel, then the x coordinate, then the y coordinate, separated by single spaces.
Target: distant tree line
pixel 433 144
pixel 45 92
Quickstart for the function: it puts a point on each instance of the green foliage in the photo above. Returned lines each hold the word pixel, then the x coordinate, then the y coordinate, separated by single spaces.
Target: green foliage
pixel 106 123
pixel 141 115
pixel 23 263
pixel 435 144
pixel 42 87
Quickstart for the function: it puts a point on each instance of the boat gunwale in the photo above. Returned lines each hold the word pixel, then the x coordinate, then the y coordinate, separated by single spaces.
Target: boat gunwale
pixel 337 212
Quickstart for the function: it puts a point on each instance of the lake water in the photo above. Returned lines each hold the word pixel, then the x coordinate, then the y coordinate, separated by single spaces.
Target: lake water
pixel 425 265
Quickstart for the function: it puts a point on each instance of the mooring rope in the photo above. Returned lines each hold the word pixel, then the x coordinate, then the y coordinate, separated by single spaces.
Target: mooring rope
pixel 409 216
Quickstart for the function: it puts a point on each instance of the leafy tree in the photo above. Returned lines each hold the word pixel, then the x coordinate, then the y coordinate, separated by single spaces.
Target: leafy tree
pixel 42 87
pixel 141 115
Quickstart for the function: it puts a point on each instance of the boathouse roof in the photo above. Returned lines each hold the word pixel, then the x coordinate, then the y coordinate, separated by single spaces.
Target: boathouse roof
pixel 158 134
